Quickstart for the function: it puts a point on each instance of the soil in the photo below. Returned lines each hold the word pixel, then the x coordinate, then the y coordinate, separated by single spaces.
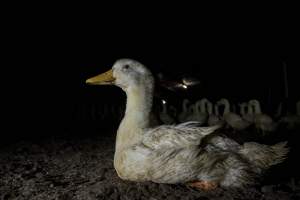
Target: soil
pixel 82 168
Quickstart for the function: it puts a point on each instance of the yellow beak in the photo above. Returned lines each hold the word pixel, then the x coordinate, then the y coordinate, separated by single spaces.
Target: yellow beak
pixel 102 79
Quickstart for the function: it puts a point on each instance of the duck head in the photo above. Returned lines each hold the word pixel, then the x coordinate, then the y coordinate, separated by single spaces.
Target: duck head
pixel 222 101
pixel 126 74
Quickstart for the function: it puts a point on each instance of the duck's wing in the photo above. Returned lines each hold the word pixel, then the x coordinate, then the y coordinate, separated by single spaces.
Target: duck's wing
pixel 222 143
pixel 177 136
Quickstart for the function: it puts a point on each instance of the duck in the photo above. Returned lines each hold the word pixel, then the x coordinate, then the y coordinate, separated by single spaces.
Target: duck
pixel 262 121
pixel 246 111
pixel 182 153
pixel 182 117
pixel 198 112
pixel 234 120
pixel 243 108
pixel 202 106
pixel 213 115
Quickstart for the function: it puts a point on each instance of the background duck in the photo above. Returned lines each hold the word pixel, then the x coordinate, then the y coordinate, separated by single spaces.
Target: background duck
pixel 262 121
pixel 198 112
pixel 246 112
pixel 182 117
pixel 213 115
pixel 243 108
pixel 232 119
pixel 178 154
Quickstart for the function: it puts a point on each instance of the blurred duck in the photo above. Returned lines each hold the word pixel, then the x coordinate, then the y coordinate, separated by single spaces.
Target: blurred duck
pixel 246 111
pixel 262 121
pixel 199 113
pixel 213 115
pixel 234 120
pixel 183 116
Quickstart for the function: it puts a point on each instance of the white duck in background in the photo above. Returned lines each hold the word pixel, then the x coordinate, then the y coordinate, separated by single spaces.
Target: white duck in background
pixel 246 111
pixel 234 120
pixel 182 117
pixel 164 114
pixel 199 113
pixel 243 108
pixel 202 110
pixel 217 111
pixel 262 121
pixel 178 154
pixel 213 115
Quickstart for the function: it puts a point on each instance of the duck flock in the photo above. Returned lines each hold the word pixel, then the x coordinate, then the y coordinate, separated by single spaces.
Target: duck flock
pixel 243 116
pixel 237 117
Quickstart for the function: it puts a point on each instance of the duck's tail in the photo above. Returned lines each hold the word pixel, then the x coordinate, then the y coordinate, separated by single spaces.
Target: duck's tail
pixel 264 156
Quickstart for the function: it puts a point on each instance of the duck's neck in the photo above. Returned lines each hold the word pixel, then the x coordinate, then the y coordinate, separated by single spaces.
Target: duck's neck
pixel 209 108
pixel 243 109
pixel 185 105
pixel 137 116
pixel 250 110
pixel 227 107
pixel 217 110
pixel 203 105
pixel 257 109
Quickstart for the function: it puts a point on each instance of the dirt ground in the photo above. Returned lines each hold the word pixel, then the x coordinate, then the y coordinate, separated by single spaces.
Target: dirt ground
pixel 82 168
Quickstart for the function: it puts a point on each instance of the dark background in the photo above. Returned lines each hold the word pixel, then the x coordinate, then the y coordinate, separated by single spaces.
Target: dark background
pixel 49 60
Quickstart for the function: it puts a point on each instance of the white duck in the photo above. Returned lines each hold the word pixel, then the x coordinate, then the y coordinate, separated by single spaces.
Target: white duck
pixel 232 119
pixel 213 115
pixel 192 113
pixel 198 112
pixel 246 111
pixel 262 121
pixel 185 111
pixel 243 108
pixel 173 154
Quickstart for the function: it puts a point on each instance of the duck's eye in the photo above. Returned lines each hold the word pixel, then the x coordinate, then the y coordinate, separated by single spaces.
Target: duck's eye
pixel 126 66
